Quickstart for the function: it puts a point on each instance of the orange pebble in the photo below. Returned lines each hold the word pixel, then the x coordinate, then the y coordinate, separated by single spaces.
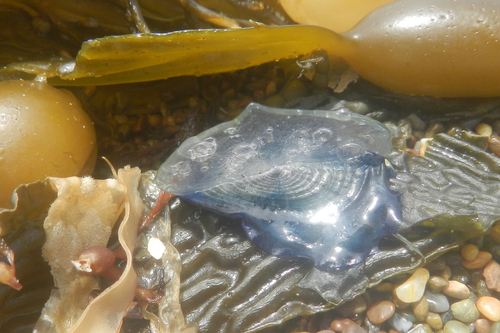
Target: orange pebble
pixel 381 311
pixel 469 251
pixel 480 261
pixel 489 307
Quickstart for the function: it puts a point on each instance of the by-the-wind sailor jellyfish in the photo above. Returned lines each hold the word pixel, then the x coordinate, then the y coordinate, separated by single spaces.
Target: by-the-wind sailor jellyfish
pixel 304 183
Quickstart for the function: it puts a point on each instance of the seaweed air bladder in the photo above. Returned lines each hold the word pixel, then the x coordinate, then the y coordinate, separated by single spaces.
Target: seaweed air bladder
pixel 445 48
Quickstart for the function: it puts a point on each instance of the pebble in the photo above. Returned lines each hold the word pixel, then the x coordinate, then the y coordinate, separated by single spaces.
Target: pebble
pixel 484 129
pixel 494 144
pixel 495 327
pixel 465 311
pixel 495 230
pixel 454 326
pixel 426 327
pixel 456 289
pixel 482 325
pixel 436 283
pixel 381 311
pixel 420 309
pixel 400 323
pixel 418 329
pixel 489 307
pixel 446 273
pixel 469 251
pixel 399 304
pixel 354 329
pixel 416 123
pixel 480 261
pixel 413 288
pixel 434 321
pixel 491 275
pixel 338 325
pixel 437 302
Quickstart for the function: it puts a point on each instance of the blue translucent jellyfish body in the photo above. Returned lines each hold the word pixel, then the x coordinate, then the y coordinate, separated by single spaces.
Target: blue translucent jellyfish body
pixel 308 184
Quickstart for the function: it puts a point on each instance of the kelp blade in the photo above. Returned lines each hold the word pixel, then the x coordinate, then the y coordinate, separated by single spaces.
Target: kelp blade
pixel 147 57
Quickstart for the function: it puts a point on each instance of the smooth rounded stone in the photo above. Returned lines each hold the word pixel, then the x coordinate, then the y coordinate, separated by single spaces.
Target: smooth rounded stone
pixel 399 304
pixel 482 325
pixel 495 232
pixel 400 323
pixel 419 329
pixel 434 320
pixel 437 302
pixel 454 326
pixel 480 261
pixel 427 328
pixel 484 129
pixel 416 123
pixel 465 311
pixel 380 312
pixel 339 325
pixel 456 289
pixel 436 283
pixel 495 327
pixel 420 309
pixel 469 251
pixel 491 275
pixel 354 329
pixel 412 289
pixel 489 307
pixel 446 273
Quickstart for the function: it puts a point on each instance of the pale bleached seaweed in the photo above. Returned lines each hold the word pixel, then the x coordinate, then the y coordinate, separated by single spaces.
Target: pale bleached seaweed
pixel 82 216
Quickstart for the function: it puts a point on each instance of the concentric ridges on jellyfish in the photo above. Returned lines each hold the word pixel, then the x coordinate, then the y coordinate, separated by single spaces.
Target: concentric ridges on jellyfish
pixel 295 187
pixel 309 184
